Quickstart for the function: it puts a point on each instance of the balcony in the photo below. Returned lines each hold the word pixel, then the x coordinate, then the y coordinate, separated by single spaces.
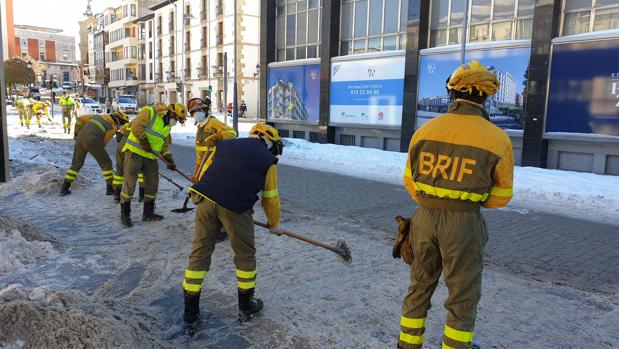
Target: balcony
pixel 187 47
pixel 203 43
pixel 218 72
pixel 219 9
pixel 203 16
pixel 171 76
pixel 187 19
pixel 202 73
pixel 171 50
pixel 188 73
pixel 159 52
pixel 159 30
pixel 158 77
pixel 171 26
pixel 220 39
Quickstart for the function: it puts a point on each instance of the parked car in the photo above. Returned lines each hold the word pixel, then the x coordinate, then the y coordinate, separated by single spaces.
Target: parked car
pixel 34 93
pixel 67 86
pixel 125 104
pixel 89 103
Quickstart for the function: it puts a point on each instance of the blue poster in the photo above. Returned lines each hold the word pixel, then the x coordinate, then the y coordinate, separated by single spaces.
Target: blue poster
pixel 584 88
pixel 505 108
pixel 367 91
pixel 294 93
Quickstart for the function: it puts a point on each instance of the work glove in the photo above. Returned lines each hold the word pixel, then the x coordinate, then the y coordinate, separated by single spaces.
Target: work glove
pixel 171 166
pixel 276 230
pixel 146 145
pixel 195 198
pixel 75 136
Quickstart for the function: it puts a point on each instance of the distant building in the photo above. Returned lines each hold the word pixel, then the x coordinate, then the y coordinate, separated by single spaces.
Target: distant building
pixel 506 95
pixel 47 45
pixel 285 103
pixel 9 45
pixel 436 104
pixel 93 39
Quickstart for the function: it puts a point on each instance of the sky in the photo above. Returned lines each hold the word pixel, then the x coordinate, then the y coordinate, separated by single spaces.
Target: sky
pixel 60 14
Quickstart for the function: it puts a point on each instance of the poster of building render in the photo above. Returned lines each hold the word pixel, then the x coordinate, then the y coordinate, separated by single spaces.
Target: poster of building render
pixel 584 88
pixel 294 93
pixel 367 91
pixel 505 108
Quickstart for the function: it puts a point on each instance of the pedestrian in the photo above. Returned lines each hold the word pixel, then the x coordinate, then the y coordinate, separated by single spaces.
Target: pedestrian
pixel 68 105
pixel 108 105
pixel 457 163
pixel 39 109
pixel 243 109
pixel 23 110
pixel 230 108
pixel 149 137
pixel 92 133
pixel 225 195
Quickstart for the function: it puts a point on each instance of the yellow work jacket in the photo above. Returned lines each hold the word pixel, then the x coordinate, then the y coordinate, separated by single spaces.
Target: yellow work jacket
pixel 211 132
pixel 460 156
pixel 150 126
pixel 40 108
pixel 67 103
pixel 105 123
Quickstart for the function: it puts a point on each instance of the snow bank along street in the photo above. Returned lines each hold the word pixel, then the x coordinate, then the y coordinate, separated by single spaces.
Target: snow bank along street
pixel 71 276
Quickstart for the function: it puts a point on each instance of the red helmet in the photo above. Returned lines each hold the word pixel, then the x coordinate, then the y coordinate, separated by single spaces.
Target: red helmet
pixel 196 104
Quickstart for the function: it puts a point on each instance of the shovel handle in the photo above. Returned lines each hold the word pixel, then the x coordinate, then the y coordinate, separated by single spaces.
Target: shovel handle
pixel 177 170
pixel 300 237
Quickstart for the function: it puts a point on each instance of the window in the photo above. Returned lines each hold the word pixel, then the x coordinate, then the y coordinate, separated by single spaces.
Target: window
pixel 133 11
pixel 297 27
pixel 583 16
pixel 488 20
pixel 42 44
pixel 372 25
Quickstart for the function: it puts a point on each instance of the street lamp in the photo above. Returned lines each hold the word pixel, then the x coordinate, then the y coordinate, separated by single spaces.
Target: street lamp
pixel 257 74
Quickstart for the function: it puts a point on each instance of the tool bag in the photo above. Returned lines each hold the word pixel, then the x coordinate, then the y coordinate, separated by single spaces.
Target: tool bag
pixel 402 247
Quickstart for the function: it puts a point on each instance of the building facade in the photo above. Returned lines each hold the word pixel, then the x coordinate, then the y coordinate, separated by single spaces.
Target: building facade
pixel 9 47
pixel 47 45
pixel 186 44
pixel 369 72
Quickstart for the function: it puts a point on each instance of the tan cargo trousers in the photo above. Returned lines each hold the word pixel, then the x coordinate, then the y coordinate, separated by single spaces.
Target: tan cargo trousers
pixel 120 167
pixel 90 142
pixel 133 165
pixel 451 242
pixel 210 218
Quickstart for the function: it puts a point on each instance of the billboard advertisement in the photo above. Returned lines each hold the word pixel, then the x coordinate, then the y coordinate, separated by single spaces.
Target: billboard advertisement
pixel 294 93
pixel 367 91
pixel 505 108
pixel 584 88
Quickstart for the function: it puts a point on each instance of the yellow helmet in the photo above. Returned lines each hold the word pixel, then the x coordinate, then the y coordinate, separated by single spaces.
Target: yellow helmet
pixel 270 135
pixel 160 108
pixel 179 110
pixel 122 117
pixel 473 75
pixel 48 103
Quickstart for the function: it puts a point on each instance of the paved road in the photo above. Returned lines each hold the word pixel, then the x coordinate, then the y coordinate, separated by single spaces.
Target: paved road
pixel 542 246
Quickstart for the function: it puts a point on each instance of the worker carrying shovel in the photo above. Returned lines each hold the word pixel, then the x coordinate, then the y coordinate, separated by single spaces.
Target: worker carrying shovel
pixel 225 195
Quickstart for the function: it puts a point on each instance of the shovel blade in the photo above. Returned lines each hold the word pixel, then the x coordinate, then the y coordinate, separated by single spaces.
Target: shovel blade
pixel 343 252
pixel 182 210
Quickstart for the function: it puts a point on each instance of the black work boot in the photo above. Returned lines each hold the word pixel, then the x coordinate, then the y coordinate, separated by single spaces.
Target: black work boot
pixel 66 188
pixel 192 308
pixel 248 305
pixel 141 193
pixel 117 195
pixel 149 212
pixel 109 190
pixel 125 214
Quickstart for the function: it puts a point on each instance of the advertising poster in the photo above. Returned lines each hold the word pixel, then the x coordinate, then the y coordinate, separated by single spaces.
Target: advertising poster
pixel 505 108
pixel 584 88
pixel 368 91
pixel 294 93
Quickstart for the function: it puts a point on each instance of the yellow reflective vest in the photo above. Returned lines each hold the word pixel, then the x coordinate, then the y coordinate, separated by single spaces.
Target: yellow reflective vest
pixel 156 132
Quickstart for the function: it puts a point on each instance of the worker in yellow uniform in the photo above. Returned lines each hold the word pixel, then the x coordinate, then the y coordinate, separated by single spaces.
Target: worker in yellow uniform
pixel 225 195
pixel 121 139
pixel 92 133
pixel 149 137
pixel 39 109
pixel 457 163
pixel 68 105
pixel 23 110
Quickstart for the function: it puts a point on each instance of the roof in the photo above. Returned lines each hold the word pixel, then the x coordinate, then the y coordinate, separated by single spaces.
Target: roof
pixel 38 29
pixel 162 4
pixel 144 18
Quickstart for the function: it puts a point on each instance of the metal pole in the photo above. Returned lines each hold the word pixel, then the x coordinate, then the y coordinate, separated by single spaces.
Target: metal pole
pixel 4 142
pixel 235 110
pixel 183 54
pixel 225 79
pixel 464 28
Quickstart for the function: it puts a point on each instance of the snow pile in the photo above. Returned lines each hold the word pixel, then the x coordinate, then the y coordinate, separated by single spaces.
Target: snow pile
pixel 550 190
pixel 38 318
pixel 16 252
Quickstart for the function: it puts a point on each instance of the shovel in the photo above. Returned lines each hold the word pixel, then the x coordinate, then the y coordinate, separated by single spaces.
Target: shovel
pixel 341 248
pixel 183 209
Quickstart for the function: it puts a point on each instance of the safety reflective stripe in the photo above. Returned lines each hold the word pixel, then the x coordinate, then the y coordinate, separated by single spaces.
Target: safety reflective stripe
pixel 270 194
pixel 230 131
pixel 191 274
pixel 411 339
pixel 412 323
pixel 150 196
pixel 126 195
pixel 201 148
pixel 504 192
pixel 191 287
pixel 457 335
pixel 155 134
pixel 140 175
pixel 96 122
pixel 69 178
pixel 445 346
pixel 245 274
pixel 246 285
pixel 408 172
pixel 72 172
pixel 449 193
